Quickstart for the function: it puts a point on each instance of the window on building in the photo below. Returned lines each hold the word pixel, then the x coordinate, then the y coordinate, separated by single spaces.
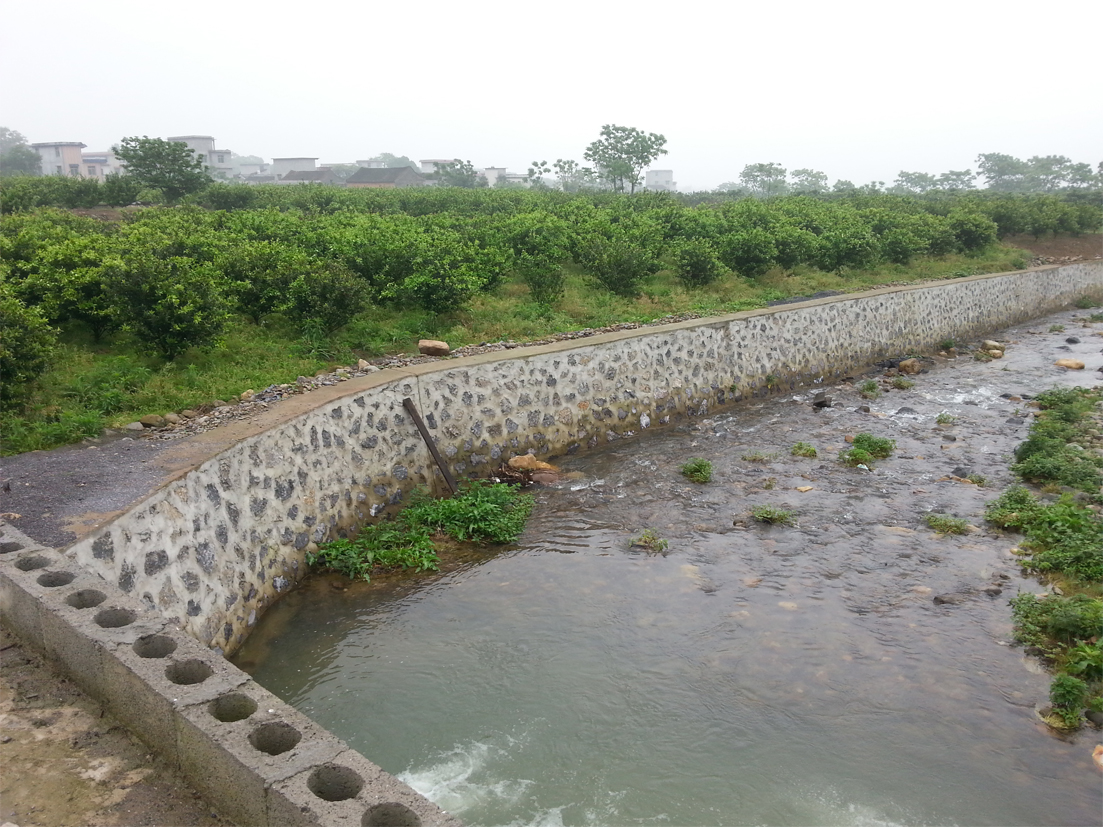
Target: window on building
pixel 58 168
pixel 220 159
pixel 74 170
pixel 91 172
pixel 57 152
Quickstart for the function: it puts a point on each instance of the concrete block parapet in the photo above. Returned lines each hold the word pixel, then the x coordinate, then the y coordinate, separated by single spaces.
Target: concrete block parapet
pixel 254 758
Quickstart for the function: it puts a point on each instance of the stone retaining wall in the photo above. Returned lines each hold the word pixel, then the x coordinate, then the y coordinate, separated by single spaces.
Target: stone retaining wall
pixel 213 548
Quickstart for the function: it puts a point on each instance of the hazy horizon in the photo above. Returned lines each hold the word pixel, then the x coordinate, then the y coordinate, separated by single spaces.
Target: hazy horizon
pixel 859 91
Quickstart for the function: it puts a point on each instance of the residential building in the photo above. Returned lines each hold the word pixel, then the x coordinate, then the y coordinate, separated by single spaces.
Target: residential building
pixel 660 180
pixel 385 178
pixel 322 175
pixel 217 161
pixel 431 166
pixel 281 166
pixel 100 164
pixel 493 174
pixel 371 164
pixel 61 158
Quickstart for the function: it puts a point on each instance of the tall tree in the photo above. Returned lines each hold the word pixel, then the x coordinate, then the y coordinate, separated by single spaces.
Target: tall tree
pixel 913 183
pixel 1004 173
pixel 808 182
pixel 764 180
pixel 459 174
pixel 622 153
pixel 168 166
pixel 956 179
pixel 394 161
pixel 16 157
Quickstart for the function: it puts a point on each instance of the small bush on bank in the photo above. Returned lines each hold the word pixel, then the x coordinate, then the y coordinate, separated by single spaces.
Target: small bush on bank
pixel 697 470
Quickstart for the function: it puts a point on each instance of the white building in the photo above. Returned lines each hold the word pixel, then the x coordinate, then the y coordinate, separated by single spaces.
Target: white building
pixel 281 166
pixel 660 180
pixel 100 164
pixel 60 158
pixel 218 161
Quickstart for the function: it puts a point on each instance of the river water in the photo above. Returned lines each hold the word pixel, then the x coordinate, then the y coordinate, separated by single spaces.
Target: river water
pixel 749 674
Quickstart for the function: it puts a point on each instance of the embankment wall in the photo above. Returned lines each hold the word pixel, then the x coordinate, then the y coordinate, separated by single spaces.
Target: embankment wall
pixel 212 548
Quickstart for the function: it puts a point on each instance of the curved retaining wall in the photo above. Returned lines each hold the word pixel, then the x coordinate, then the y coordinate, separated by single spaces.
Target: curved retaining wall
pixel 213 548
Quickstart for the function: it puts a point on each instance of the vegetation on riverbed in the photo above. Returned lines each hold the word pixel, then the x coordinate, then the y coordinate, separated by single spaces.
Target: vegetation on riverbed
pixel 803 449
pixel 773 515
pixel 945 524
pixel 1063 543
pixel 479 512
pixel 697 470
pixel 246 287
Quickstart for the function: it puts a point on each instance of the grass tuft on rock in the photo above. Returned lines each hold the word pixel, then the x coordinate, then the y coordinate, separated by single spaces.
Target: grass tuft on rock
pixel 698 470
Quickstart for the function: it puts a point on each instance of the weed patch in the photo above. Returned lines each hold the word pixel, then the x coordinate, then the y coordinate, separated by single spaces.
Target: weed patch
pixel 902 384
pixel 651 542
pixel 878 447
pixel 772 515
pixel 697 470
pixel 945 524
pixel 869 389
pixel 803 449
pixel 945 418
pixel 758 456
pixel 479 512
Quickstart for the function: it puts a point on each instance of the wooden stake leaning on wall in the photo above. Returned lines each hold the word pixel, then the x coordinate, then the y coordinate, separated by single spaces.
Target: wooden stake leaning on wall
pixel 408 404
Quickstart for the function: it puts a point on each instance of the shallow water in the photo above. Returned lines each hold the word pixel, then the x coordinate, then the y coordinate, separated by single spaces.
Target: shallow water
pixel 751 674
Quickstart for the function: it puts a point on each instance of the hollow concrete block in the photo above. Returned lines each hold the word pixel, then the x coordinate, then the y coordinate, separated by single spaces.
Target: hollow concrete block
pixel 225 749
pixel 141 694
pixel 22 564
pixel 351 791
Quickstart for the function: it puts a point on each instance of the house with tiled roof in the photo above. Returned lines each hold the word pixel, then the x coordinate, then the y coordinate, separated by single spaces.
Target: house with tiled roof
pixel 387 178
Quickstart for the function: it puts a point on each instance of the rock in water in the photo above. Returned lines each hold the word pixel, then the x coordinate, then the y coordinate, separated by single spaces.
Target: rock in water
pixel 527 462
pixel 1071 364
pixel 433 347
pixel 909 366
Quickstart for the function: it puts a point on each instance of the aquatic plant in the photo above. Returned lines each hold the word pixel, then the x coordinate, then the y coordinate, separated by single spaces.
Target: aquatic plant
pixel 758 456
pixel 879 447
pixel 902 384
pixel 869 389
pixel 855 457
pixel 978 480
pixel 945 418
pixel 945 524
pixel 1056 328
pixel 650 541
pixel 803 449
pixel 697 470
pixel 772 515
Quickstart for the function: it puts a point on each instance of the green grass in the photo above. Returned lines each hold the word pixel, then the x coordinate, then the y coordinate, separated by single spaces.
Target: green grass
pixel 773 515
pixel 902 384
pixel 1056 328
pixel 945 524
pixel 1095 317
pixel 945 418
pixel 479 512
pixel 697 470
pixel 803 449
pixel 1085 303
pixel 878 447
pixel 758 456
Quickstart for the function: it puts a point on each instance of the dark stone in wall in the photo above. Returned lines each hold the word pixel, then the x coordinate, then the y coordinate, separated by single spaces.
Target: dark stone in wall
pixel 156 561
pixel 205 556
pixel 190 580
pixel 104 548
pixel 213 495
pixel 126 578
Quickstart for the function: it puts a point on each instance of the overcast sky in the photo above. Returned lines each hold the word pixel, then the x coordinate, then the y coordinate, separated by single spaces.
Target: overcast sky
pixel 859 90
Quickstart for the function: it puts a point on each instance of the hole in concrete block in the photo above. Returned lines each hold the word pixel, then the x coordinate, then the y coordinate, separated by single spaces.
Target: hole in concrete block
pixel 154 646
pixel 9 547
pixel 34 561
pixel 275 738
pixel 52 579
pixel 86 599
pixel 391 814
pixel 334 783
pixel 115 618
pixel 188 672
pixel 232 707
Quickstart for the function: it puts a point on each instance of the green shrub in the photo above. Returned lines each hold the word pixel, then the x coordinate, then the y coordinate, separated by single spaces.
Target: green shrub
pixel 973 231
pixel 170 304
pixel 697 470
pixel 697 264
pixel 1015 508
pixel 751 252
pixel 902 384
pixel 618 265
pixel 1068 695
pixel 27 343
pixel 869 389
pixel 327 295
pixel 544 278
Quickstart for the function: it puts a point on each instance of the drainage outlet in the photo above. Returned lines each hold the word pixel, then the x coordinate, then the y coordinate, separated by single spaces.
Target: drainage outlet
pixel 232 707
pixel 275 738
pixel 115 618
pixel 53 579
pixel 390 814
pixel 154 646
pixel 188 672
pixel 334 783
pixel 86 599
